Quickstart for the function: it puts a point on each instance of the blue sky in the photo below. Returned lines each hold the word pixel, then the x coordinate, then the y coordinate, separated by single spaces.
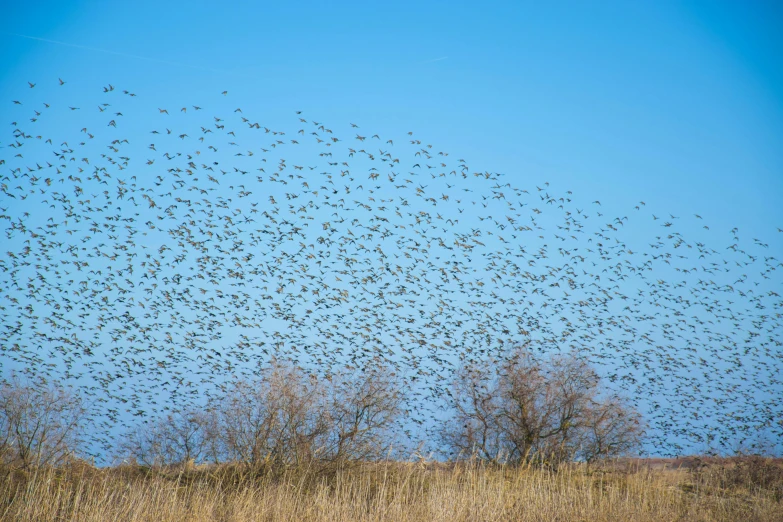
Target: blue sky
pixel 676 104
pixel 680 103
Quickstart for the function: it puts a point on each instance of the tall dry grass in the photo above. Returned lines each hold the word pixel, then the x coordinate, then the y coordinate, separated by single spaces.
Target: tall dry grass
pixel 387 491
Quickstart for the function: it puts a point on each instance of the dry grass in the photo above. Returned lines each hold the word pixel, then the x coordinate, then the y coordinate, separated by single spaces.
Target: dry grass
pixel 396 492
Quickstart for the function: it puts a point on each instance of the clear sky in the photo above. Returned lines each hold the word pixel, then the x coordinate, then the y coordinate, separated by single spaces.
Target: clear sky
pixel 677 104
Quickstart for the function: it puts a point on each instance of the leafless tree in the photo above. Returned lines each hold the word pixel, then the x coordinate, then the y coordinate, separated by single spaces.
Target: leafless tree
pixel 275 419
pixel 362 412
pixel 529 408
pixel 289 417
pixel 178 438
pixel 40 424
pixel 286 417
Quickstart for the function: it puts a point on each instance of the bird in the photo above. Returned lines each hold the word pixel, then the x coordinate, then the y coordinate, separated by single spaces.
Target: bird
pixel 156 270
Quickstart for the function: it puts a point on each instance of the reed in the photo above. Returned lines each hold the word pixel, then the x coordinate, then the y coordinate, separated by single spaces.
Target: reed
pixel 391 491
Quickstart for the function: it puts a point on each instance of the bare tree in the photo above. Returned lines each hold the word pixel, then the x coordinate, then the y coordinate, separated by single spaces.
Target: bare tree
pixel 612 428
pixel 178 438
pixel 40 425
pixel 362 411
pixel 289 417
pixel 474 427
pixel 141 445
pixel 525 408
pixel 278 418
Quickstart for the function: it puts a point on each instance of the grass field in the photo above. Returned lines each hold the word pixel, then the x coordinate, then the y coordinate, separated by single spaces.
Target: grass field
pixel 742 489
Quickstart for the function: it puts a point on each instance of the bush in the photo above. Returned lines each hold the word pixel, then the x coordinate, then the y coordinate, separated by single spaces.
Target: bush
pixel 285 418
pixel 180 437
pixel 525 409
pixel 753 471
pixel 40 425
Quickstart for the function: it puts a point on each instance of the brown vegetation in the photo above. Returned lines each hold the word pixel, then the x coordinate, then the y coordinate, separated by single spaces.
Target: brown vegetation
pixel 467 491
pixel 289 446
pixel 553 410
pixel 284 418
pixel 41 424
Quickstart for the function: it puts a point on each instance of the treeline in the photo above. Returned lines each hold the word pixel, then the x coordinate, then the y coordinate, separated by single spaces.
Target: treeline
pixel 285 417
pixel 526 408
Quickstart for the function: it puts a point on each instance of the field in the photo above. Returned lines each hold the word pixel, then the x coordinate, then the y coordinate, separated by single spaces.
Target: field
pixel 747 489
pixel 255 255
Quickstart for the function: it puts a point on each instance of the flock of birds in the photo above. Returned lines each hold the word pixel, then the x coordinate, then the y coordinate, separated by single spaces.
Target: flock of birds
pixel 153 253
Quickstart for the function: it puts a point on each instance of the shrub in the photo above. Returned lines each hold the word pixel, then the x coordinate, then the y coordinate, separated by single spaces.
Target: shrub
pixel 40 424
pixel 526 408
pixel 285 418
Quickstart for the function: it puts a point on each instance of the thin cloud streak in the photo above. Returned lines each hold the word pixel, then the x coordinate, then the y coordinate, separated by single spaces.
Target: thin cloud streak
pixel 106 51
pixel 435 60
